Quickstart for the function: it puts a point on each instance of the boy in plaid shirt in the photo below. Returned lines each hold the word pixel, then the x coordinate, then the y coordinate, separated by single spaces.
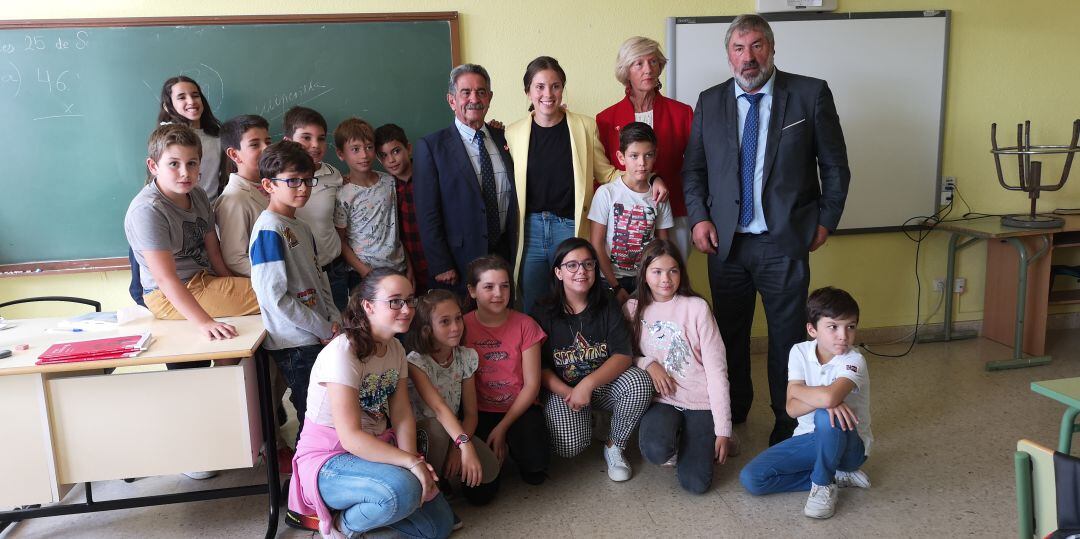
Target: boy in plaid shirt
pixel 395 153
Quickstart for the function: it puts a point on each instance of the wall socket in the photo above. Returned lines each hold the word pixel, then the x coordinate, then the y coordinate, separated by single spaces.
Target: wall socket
pixel 948 189
pixel 959 285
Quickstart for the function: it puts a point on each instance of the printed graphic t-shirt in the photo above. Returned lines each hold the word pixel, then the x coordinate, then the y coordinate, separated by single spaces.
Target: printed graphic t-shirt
pixel 155 223
pixel 579 344
pixel 376 379
pixel 500 377
pixel 369 215
pixel 632 220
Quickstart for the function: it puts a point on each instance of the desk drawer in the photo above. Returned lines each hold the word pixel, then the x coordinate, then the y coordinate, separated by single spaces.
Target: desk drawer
pixel 154 423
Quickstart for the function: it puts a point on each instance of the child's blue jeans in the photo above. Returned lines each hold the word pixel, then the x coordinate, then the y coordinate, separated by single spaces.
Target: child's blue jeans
pixel 373 495
pixel 791 465
pixel 295 365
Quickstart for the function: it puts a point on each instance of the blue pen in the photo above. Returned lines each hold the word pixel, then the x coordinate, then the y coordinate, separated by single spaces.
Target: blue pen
pixel 61 330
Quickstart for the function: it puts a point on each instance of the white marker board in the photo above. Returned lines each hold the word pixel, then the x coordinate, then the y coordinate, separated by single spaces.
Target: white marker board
pixel 887 74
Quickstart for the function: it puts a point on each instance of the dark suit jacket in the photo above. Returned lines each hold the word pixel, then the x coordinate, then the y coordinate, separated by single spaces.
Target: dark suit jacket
pixel 804 140
pixel 449 205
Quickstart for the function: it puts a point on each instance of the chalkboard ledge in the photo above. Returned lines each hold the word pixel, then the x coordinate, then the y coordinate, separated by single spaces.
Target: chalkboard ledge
pixel 64 267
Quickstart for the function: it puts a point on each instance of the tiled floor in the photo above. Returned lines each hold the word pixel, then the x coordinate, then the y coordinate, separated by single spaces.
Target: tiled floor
pixel 944 429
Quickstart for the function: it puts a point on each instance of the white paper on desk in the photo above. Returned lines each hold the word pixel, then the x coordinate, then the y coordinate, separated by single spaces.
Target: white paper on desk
pixel 133 313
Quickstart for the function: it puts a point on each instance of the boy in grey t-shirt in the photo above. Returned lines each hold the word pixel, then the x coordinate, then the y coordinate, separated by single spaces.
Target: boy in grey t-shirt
pixel 170 227
pixel 294 292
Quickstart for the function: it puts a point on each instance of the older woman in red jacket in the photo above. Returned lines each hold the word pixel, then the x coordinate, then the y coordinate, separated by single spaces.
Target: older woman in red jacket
pixel 638 68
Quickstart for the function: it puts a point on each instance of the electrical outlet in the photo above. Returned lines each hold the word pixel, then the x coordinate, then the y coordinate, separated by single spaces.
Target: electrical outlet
pixel 948 188
pixel 960 284
pixel 939 285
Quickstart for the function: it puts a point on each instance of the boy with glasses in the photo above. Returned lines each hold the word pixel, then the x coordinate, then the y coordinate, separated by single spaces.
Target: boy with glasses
pixel 294 292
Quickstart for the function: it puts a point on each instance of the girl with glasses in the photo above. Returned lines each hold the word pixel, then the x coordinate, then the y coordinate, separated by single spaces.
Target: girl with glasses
pixel 357 466
pixel 587 361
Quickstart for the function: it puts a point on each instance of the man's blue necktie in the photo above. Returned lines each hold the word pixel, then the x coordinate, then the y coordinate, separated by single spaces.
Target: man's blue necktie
pixel 488 190
pixel 749 159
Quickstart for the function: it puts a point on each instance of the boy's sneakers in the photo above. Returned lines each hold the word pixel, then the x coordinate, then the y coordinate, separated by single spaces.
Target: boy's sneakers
pixel 617 467
pixel 458 524
pixel 201 475
pixel 857 479
pixel 671 462
pixel 822 501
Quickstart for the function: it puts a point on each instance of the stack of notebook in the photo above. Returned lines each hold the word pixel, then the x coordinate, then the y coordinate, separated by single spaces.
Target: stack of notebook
pixel 107 348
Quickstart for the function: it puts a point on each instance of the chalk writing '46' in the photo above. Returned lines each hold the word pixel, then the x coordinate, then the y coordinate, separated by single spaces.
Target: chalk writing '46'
pixel 58 84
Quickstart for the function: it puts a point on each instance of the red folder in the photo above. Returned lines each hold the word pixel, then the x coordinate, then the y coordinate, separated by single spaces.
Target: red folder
pixel 96 349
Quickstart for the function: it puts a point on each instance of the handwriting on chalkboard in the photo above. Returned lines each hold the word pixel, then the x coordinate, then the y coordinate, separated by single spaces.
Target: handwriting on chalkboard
pixel 79 40
pixel 307 92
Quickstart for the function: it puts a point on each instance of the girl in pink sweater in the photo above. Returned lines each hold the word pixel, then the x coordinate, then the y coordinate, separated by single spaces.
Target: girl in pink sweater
pixel 678 344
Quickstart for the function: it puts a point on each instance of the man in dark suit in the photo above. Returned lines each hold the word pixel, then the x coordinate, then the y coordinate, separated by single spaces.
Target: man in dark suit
pixel 765 176
pixel 466 206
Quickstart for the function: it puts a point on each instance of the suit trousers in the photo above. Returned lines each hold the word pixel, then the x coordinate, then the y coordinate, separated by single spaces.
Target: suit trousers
pixel 755 264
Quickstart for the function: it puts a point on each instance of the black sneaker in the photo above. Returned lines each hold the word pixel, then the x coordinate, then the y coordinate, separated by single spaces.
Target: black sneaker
pixel 458 524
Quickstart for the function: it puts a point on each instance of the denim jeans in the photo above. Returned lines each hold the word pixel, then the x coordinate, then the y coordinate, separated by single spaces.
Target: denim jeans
pixel 626 283
pixel 337 272
pixel 791 465
pixel 544 232
pixel 295 365
pixel 666 431
pixel 372 495
pixel 135 288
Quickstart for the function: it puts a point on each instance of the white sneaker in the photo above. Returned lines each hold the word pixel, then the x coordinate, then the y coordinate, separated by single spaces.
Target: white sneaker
pixel 857 479
pixel 201 475
pixel 671 462
pixel 822 501
pixel 617 467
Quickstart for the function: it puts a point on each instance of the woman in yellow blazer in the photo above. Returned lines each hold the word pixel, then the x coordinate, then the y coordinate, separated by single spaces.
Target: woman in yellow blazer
pixel 557 157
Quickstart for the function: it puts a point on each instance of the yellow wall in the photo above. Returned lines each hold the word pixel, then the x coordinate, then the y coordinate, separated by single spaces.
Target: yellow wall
pixel 1009 61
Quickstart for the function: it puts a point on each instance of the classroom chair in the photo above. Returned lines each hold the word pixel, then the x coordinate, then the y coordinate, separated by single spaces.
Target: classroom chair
pixel 69 299
pixel 1037 491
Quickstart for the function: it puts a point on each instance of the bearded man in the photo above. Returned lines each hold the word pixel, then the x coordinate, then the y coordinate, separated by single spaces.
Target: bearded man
pixel 765 176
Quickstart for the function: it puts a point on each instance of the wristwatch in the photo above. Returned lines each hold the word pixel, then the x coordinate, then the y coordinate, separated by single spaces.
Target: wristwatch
pixel 462 439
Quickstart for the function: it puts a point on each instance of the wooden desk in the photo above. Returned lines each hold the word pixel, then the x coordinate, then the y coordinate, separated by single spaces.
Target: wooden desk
pixel 1067 392
pixel 1017 284
pixel 71 423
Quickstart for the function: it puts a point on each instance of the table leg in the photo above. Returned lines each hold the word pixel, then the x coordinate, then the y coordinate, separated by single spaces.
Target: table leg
pixel 266 407
pixel 947 333
pixel 1065 436
pixel 1018 360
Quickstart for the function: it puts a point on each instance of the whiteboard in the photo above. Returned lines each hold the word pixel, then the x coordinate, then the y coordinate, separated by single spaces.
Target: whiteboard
pixel 887 75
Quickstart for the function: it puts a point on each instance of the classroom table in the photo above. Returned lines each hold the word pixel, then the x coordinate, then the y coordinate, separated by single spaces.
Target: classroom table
pixel 1018 318
pixel 1067 392
pixel 72 423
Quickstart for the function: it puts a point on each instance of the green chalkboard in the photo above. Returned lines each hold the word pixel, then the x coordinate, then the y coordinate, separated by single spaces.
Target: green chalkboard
pixel 78 103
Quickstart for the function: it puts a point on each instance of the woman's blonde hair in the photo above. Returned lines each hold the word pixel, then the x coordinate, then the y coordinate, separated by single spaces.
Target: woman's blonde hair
pixel 631 50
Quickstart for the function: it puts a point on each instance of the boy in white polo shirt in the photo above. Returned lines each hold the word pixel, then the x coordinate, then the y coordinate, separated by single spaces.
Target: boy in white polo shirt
pixel 829 392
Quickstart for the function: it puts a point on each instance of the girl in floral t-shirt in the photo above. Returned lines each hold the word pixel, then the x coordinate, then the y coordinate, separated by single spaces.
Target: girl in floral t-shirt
pixel 508 377
pixel 441 389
